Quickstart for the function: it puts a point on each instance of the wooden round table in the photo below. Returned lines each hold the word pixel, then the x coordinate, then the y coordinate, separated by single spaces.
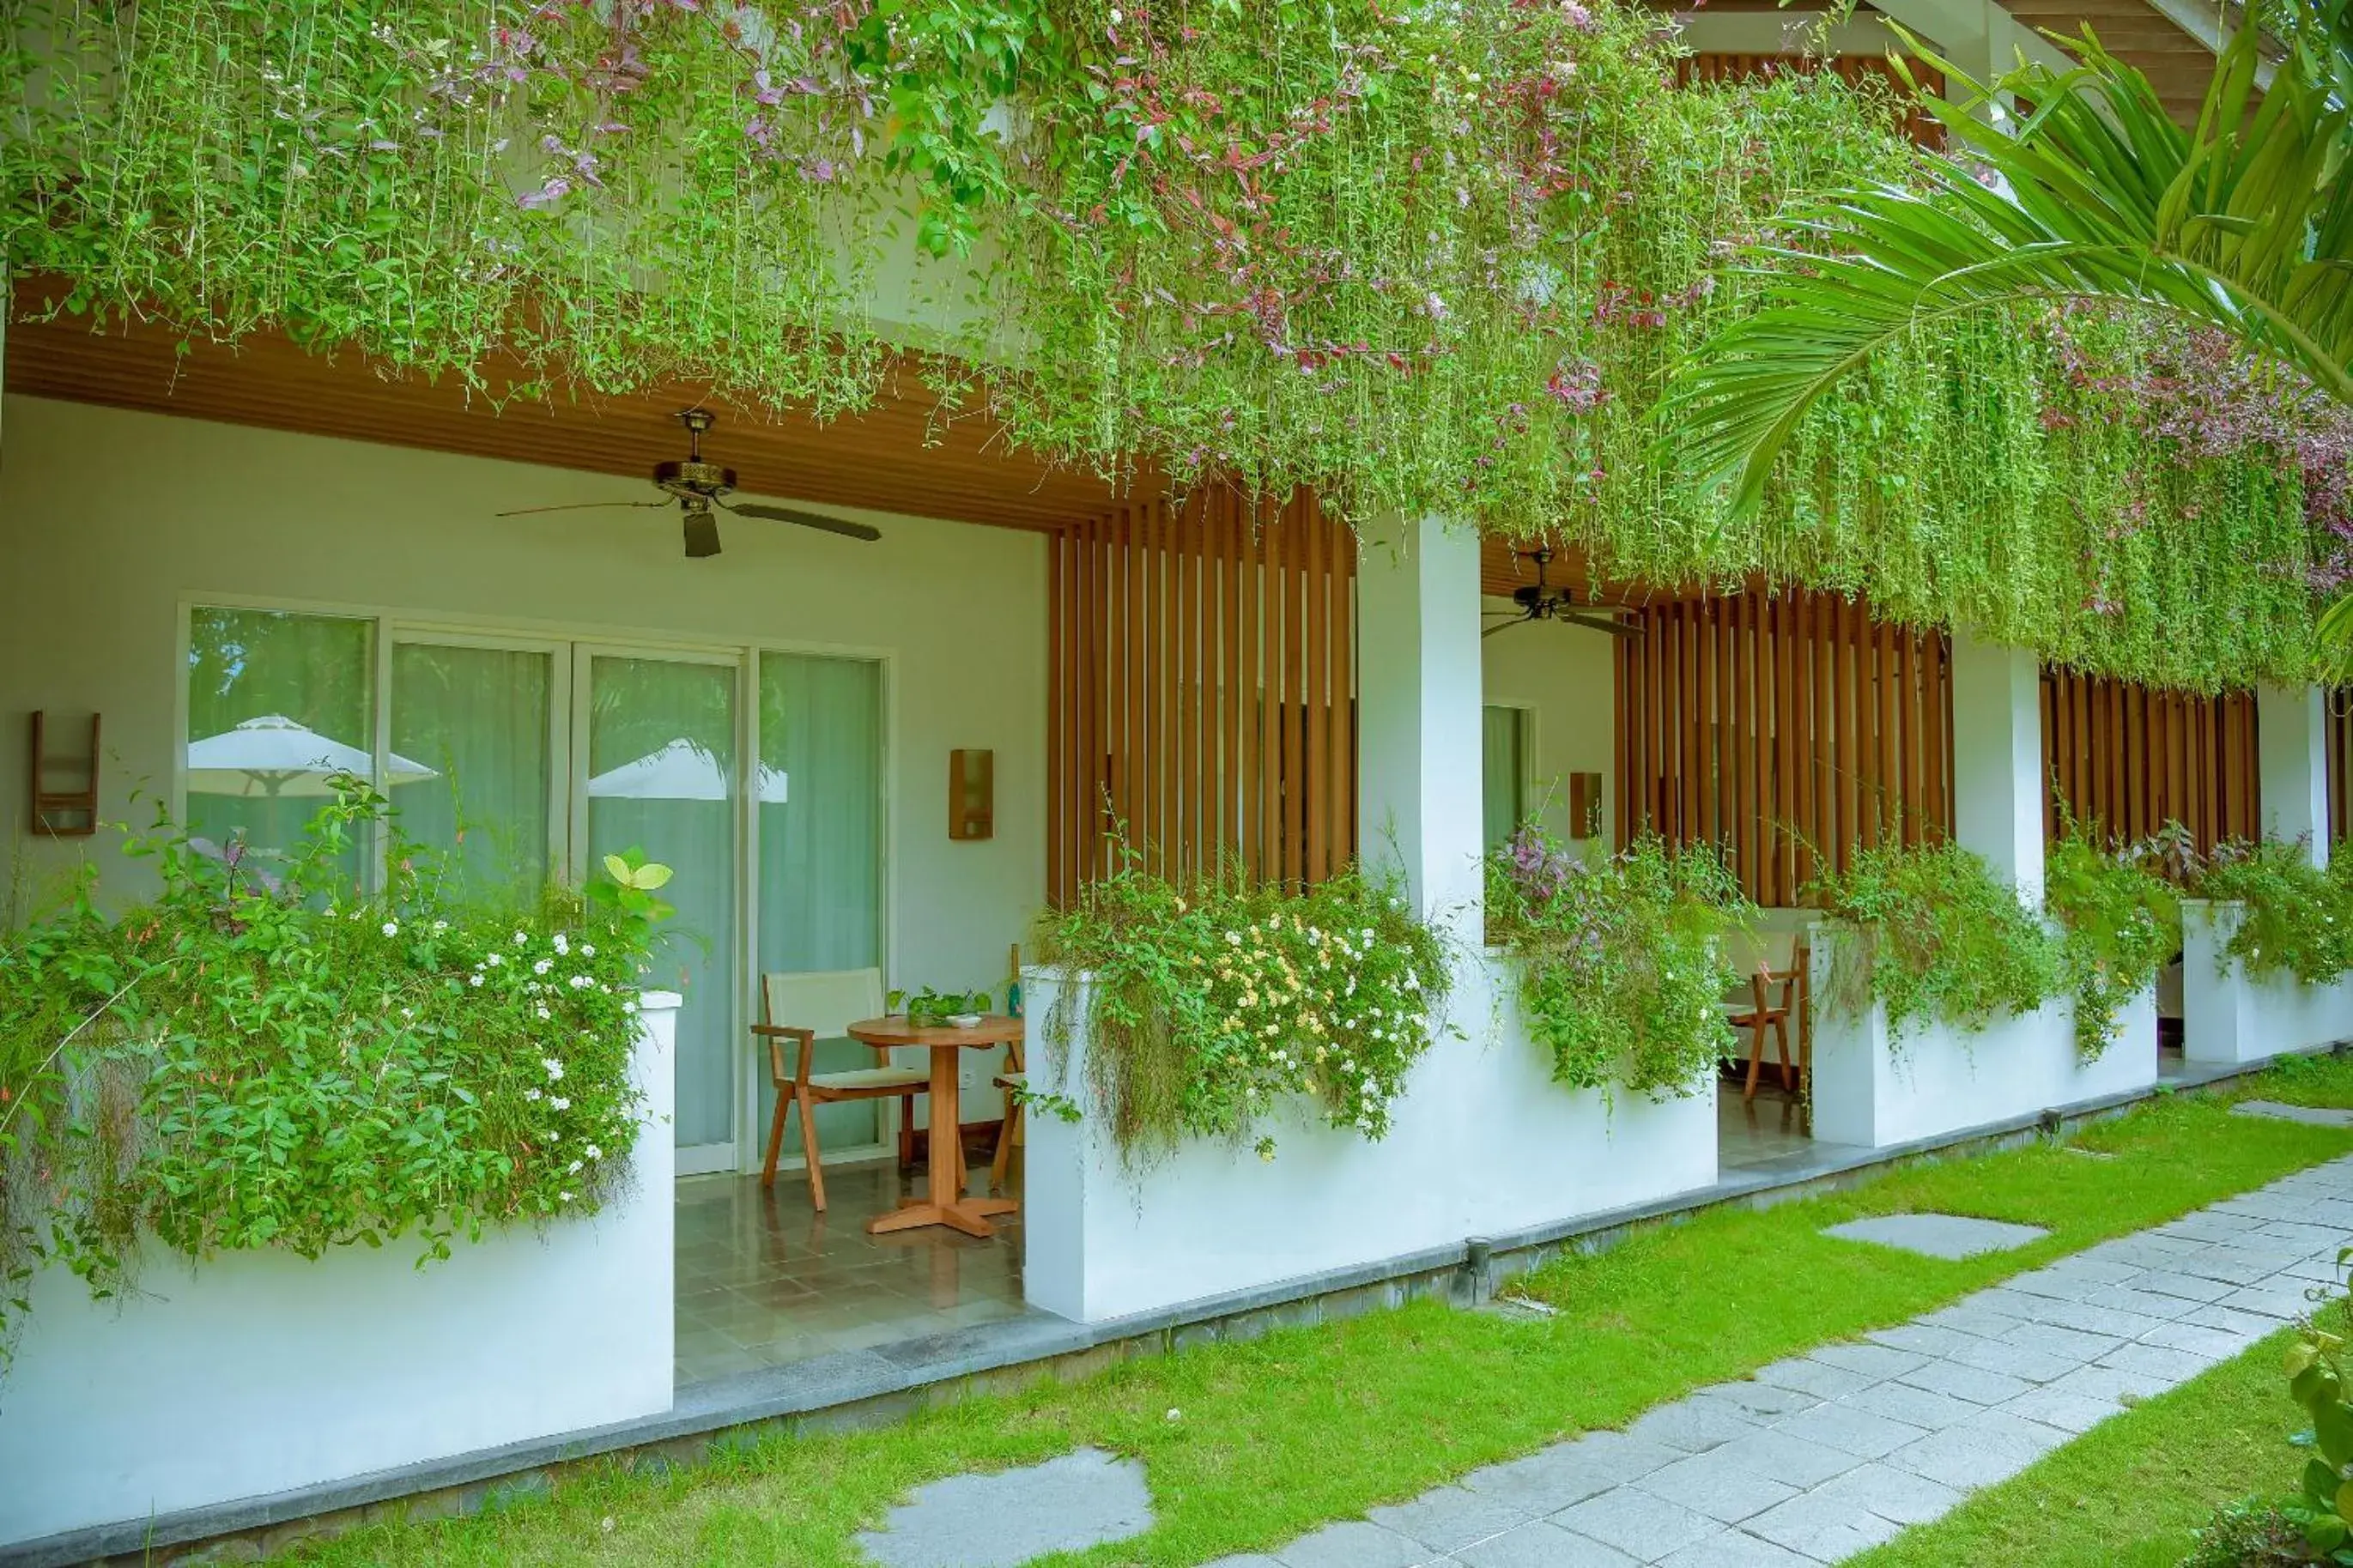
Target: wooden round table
pixel 943 1202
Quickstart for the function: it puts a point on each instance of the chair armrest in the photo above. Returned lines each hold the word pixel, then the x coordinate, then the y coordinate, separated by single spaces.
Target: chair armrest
pixel 775 1035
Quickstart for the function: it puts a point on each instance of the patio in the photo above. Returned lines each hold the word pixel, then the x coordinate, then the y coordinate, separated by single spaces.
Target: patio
pixel 764 1280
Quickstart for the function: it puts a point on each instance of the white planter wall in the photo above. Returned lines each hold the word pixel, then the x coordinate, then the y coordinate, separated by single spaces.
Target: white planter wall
pixel 258 1372
pixel 1483 1142
pixel 1938 1079
pixel 2230 1016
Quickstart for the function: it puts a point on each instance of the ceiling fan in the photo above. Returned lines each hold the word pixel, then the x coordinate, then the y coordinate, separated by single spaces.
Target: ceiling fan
pixel 1540 602
pixel 698 486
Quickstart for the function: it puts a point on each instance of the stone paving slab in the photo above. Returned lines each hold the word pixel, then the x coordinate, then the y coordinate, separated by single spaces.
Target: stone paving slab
pixel 2314 1115
pixel 1827 1454
pixel 1080 1499
pixel 1948 1236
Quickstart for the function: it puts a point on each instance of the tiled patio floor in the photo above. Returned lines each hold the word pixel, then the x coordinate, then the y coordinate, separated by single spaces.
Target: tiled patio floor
pixel 764 1280
pixel 1761 1131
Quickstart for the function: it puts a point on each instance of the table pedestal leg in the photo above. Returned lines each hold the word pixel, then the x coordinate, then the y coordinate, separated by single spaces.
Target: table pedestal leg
pixel 945 1203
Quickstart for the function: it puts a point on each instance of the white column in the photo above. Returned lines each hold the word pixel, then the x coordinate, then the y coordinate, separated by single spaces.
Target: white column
pixel 1997 783
pixel 2291 765
pixel 1418 689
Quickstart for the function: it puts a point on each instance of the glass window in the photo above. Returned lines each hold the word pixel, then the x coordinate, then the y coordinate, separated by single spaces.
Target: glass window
pixel 821 845
pixel 1504 777
pixel 278 704
pixel 469 738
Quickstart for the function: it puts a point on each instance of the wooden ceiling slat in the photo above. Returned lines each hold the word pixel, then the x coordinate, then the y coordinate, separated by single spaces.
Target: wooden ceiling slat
pixel 894 458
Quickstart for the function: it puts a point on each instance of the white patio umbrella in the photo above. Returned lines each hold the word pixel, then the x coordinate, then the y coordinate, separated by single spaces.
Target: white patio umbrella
pixel 273 756
pixel 680 770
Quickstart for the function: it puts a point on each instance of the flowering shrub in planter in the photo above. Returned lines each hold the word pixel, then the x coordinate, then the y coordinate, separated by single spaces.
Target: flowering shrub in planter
pixel 274 1058
pixel 2122 923
pixel 1621 964
pixel 1211 1002
pixel 2298 919
pixel 1936 936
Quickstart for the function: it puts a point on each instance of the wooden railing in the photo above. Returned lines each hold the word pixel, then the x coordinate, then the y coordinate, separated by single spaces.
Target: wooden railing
pixel 1202 692
pixel 1855 70
pixel 2340 763
pixel 2133 760
pixel 1785 729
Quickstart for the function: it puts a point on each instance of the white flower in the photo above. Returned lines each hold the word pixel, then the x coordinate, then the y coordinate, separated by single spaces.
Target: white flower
pixel 331 912
pixel 475 978
pixel 580 982
pixel 630 1004
pixel 409 1012
pixel 495 958
pixel 1233 939
pixel 565 1196
pixel 558 1102
pixel 543 1012
pixel 392 927
pixel 440 926
pixel 520 938
pixel 1173 1414
pixel 554 1068
pixel 595 1152
pixel 542 966
pixel 587 950
pixel 575 1169
pixel 530 1094
pixel 562 945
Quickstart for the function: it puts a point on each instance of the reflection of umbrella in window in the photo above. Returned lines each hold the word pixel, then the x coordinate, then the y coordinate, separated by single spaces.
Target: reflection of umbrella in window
pixel 272 756
pixel 681 770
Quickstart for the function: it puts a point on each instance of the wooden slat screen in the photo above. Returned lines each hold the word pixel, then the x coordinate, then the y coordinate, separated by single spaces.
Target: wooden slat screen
pixel 2340 764
pixel 1202 691
pixel 1783 728
pixel 1855 70
pixel 2134 760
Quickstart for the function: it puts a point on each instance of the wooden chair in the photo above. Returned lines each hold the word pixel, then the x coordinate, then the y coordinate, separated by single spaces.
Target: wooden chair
pixel 822 1005
pixel 1773 995
pixel 1012 1081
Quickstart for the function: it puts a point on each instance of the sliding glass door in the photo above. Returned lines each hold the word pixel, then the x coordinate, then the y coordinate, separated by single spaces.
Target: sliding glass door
pixel 660 775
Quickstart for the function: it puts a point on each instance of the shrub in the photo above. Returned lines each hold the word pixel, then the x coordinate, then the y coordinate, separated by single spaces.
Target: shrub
pixel 1933 933
pixel 1622 963
pixel 2122 923
pixel 1213 1002
pixel 2295 915
pixel 2249 1533
pixel 251 1060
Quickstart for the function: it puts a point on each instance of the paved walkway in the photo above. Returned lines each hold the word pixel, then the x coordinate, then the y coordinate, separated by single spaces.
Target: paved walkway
pixel 1827 1455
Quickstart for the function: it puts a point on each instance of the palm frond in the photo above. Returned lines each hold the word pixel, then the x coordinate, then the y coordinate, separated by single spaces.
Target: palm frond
pixel 2241 224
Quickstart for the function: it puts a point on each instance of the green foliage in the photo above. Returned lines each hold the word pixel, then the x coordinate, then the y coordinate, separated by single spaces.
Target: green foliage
pixel 1621 964
pixel 2249 1533
pixel 2315 1381
pixel 1436 259
pixel 1934 935
pixel 2121 924
pixel 2297 919
pixel 1212 1003
pixel 253 1060
pixel 928 1007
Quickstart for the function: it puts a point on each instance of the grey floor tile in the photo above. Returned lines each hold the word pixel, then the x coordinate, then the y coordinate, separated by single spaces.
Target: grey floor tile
pixel 1247 1560
pixel 2175 1365
pixel 1566 1473
pixel 2023 1362
pixel 1761 1399
pixel 1793 1461
pixel 2214 1343
pixel 1973 1384
pixel 1354 1543
pixel 1919 1407
pixel 1850 1430
pixel 1805 1375
pixel 2114 1383
pixel 2067 1344
pixel 1642 1525
pixel 1897 1496
pixel 1707 1484
pixel 1938 1234
pixel 2067 1412
pixel 1451 1518
pixel 1922 1339
pixel 1822 1528
pixel 1543 1545
pixel 1693 1425
pixel 1067 1504
pixel 1877 1362
pixel 1736 1549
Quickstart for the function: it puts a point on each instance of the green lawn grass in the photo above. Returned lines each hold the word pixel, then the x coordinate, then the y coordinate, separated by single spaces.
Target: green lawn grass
pixel 2129 1493
pixel 1249 1445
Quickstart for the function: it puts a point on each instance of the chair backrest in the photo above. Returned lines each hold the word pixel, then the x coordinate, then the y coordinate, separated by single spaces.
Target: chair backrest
pixel 1774 950
pixel 825 1002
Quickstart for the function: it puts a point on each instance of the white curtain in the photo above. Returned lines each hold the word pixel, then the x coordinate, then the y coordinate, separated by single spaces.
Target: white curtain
pixel 1503 773
pixel 478 717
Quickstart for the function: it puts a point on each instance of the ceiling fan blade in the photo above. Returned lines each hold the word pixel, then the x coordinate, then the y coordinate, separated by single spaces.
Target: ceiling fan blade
pixel 1595 622
pixel 702 535
pixel 807 520
pixel 583 505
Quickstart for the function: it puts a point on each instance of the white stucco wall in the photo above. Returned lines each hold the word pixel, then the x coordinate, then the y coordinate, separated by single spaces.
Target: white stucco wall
pixel 2230 1016
pixel 109 520
pixel 1562 675
pixel 258 1372
pixel 1483 1143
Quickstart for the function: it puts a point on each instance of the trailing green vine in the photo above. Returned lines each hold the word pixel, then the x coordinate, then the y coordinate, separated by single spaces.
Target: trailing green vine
pixel 1935 936
pixel 2121 924
pixel 1209 1005
pixel 1622 963
pixel 1429 259
pixel 273 1058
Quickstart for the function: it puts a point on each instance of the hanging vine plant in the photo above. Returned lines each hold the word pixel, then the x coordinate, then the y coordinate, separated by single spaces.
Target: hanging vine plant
pixel 1430 260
